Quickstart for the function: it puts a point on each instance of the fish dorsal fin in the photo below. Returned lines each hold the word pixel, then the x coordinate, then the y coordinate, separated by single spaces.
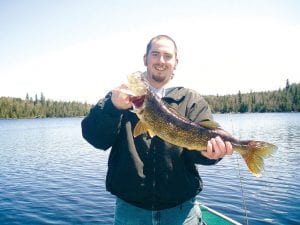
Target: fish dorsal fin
pixel 209 124
pixel 140 128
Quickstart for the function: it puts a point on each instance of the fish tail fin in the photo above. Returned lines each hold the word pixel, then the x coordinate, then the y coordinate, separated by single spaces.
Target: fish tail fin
pixel 254 153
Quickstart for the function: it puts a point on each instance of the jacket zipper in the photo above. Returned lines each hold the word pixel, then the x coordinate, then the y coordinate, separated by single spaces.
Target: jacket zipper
pixel 154 180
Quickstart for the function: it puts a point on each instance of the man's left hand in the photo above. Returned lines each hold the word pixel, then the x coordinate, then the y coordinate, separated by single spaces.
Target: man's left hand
pixel 217 148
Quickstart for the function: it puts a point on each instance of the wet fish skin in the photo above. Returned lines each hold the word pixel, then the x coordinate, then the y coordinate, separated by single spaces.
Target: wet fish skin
pixel 158 118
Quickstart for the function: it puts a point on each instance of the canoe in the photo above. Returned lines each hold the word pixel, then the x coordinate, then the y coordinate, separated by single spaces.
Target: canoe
pixel 212 217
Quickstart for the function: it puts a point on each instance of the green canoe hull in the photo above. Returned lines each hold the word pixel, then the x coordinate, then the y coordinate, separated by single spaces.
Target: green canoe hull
pixel 212 217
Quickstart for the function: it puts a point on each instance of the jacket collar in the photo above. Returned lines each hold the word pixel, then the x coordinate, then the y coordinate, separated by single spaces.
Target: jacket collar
pixel 175 93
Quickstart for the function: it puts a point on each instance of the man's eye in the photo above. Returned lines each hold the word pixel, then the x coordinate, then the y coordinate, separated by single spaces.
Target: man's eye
pixel 168 56
pixel 154 54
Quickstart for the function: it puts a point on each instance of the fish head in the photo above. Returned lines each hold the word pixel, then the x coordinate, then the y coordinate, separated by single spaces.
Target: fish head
pixel 137 84
pixel 137 89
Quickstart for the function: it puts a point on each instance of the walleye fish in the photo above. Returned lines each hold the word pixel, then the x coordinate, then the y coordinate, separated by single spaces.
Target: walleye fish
pixel 158 118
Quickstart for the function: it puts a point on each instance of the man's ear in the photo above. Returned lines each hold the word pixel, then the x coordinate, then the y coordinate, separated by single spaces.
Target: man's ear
pixel 176 64
pixel 145 60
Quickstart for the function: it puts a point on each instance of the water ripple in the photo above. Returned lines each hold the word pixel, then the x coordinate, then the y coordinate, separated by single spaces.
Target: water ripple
pixel 50 175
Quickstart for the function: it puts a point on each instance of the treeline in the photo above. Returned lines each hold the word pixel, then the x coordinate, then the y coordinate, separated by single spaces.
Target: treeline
pixel 282 100
pixel 39 107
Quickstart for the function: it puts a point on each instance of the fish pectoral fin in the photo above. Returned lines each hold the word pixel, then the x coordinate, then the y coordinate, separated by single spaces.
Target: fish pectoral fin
pixel 209 124
pixel 139 129
pixel 151 134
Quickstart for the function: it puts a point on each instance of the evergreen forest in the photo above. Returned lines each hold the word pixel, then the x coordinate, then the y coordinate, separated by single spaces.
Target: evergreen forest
pixel 282 100
pixel 40 108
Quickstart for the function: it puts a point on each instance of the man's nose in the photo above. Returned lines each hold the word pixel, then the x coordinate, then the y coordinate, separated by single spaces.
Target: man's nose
pixel 162 59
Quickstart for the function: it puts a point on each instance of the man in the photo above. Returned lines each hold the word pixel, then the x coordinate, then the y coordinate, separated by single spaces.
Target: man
pixel 155 182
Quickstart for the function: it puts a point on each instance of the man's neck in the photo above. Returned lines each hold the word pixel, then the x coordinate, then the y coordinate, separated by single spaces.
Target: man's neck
pixel 160 91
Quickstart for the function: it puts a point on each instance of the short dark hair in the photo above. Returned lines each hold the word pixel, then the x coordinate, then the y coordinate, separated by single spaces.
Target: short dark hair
pixel 159 37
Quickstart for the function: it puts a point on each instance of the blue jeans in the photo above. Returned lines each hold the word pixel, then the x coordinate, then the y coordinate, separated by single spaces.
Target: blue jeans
pixel 188 213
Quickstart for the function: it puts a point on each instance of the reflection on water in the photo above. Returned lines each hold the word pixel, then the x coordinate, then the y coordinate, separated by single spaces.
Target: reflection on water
pixel 271 199
pixel 49 174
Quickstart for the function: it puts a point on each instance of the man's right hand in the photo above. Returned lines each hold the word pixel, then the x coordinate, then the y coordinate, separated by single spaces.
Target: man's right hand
pixel 119 99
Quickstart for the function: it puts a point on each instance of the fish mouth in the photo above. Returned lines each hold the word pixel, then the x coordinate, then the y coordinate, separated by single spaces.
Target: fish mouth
pixel 137 101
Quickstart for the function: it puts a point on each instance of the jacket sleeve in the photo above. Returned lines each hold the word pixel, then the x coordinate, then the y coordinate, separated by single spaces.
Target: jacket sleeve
pixel 100 127
pixel 198 110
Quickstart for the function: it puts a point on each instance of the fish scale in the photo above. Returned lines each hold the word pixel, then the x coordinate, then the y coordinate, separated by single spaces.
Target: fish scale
pixel 159 119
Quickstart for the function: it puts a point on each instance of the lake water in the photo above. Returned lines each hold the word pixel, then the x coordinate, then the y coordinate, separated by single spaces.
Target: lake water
pixel 50 175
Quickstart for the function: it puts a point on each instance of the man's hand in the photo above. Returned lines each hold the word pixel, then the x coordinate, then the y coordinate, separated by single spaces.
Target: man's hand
pixel 120 99
pixel 217 148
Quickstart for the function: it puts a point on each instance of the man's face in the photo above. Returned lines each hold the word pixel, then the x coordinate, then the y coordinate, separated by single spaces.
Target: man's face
pixel 161 61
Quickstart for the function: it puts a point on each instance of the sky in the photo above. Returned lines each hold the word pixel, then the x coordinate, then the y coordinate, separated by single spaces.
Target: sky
pixel 78 50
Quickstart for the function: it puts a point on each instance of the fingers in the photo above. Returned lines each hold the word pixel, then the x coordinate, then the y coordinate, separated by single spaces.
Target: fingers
pixel 217 148
pixel 120 99
pixel 209 153
pixel 229 149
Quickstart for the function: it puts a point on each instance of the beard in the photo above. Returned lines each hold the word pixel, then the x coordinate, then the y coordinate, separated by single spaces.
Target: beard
pixel 159 77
